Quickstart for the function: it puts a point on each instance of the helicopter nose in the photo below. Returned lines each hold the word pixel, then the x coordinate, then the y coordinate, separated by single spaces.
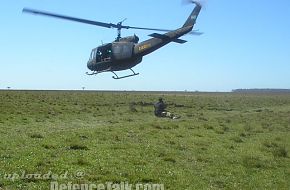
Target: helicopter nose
pixel 90 65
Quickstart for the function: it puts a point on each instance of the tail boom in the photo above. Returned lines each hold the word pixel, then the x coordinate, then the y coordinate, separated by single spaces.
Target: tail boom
pixel 159 40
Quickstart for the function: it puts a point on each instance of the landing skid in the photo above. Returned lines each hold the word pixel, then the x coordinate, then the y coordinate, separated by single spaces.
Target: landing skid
pixel 117 77
pixel 93 73
pixel 97 72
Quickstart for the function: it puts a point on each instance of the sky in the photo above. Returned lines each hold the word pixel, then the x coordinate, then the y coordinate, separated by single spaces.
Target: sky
pixel 246 44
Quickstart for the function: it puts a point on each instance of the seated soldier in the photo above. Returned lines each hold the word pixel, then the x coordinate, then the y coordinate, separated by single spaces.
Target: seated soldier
pixel 160 111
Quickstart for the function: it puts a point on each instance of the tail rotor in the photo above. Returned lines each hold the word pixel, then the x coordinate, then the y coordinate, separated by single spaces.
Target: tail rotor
pixel 200 3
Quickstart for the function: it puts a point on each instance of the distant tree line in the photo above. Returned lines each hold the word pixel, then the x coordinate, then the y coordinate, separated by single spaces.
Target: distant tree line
pixel 261 90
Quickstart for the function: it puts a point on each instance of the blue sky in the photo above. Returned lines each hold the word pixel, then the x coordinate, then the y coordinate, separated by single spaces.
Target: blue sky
pixel 246 44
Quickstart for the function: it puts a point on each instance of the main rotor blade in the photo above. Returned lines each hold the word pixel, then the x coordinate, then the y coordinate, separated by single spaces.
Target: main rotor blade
pixel 196 33
pixel 140 28
pixel 96 23
pixel 161 30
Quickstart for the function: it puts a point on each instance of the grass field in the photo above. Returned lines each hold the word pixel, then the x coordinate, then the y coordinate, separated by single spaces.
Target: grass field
pixel 222 141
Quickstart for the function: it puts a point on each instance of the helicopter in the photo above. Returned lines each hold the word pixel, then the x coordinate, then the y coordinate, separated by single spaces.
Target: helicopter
pixel 125 52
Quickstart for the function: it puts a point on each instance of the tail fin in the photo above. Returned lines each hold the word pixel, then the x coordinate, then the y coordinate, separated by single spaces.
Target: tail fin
pixel 193 16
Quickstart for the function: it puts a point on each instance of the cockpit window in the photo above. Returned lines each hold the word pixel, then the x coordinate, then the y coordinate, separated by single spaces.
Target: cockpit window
pixel 104 53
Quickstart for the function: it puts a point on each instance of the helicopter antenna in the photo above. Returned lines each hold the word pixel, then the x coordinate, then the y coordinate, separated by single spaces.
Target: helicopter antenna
pixel 119 28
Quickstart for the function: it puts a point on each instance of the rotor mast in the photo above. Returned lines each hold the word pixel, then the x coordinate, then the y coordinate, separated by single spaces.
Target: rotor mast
pixel 119 27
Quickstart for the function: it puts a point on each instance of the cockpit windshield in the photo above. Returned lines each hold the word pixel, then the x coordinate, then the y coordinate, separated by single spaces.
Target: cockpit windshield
pixel 102 53
pixel 93 54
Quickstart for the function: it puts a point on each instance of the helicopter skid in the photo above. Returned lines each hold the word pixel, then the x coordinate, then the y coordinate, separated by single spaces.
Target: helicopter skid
pixel 97 72
pixel 117 77
pixel 93 73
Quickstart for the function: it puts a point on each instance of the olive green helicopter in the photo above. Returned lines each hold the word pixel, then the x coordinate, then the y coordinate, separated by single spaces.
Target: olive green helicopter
pixel 125 52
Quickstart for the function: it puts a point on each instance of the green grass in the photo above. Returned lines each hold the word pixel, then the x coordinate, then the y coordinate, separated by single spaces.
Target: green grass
pixel 222 141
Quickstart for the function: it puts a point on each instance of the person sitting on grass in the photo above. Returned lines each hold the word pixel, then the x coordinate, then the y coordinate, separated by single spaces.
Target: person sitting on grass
pixel 160 110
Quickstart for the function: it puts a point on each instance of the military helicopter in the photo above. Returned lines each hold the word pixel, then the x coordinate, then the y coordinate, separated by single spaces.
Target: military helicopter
pixel 125 53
